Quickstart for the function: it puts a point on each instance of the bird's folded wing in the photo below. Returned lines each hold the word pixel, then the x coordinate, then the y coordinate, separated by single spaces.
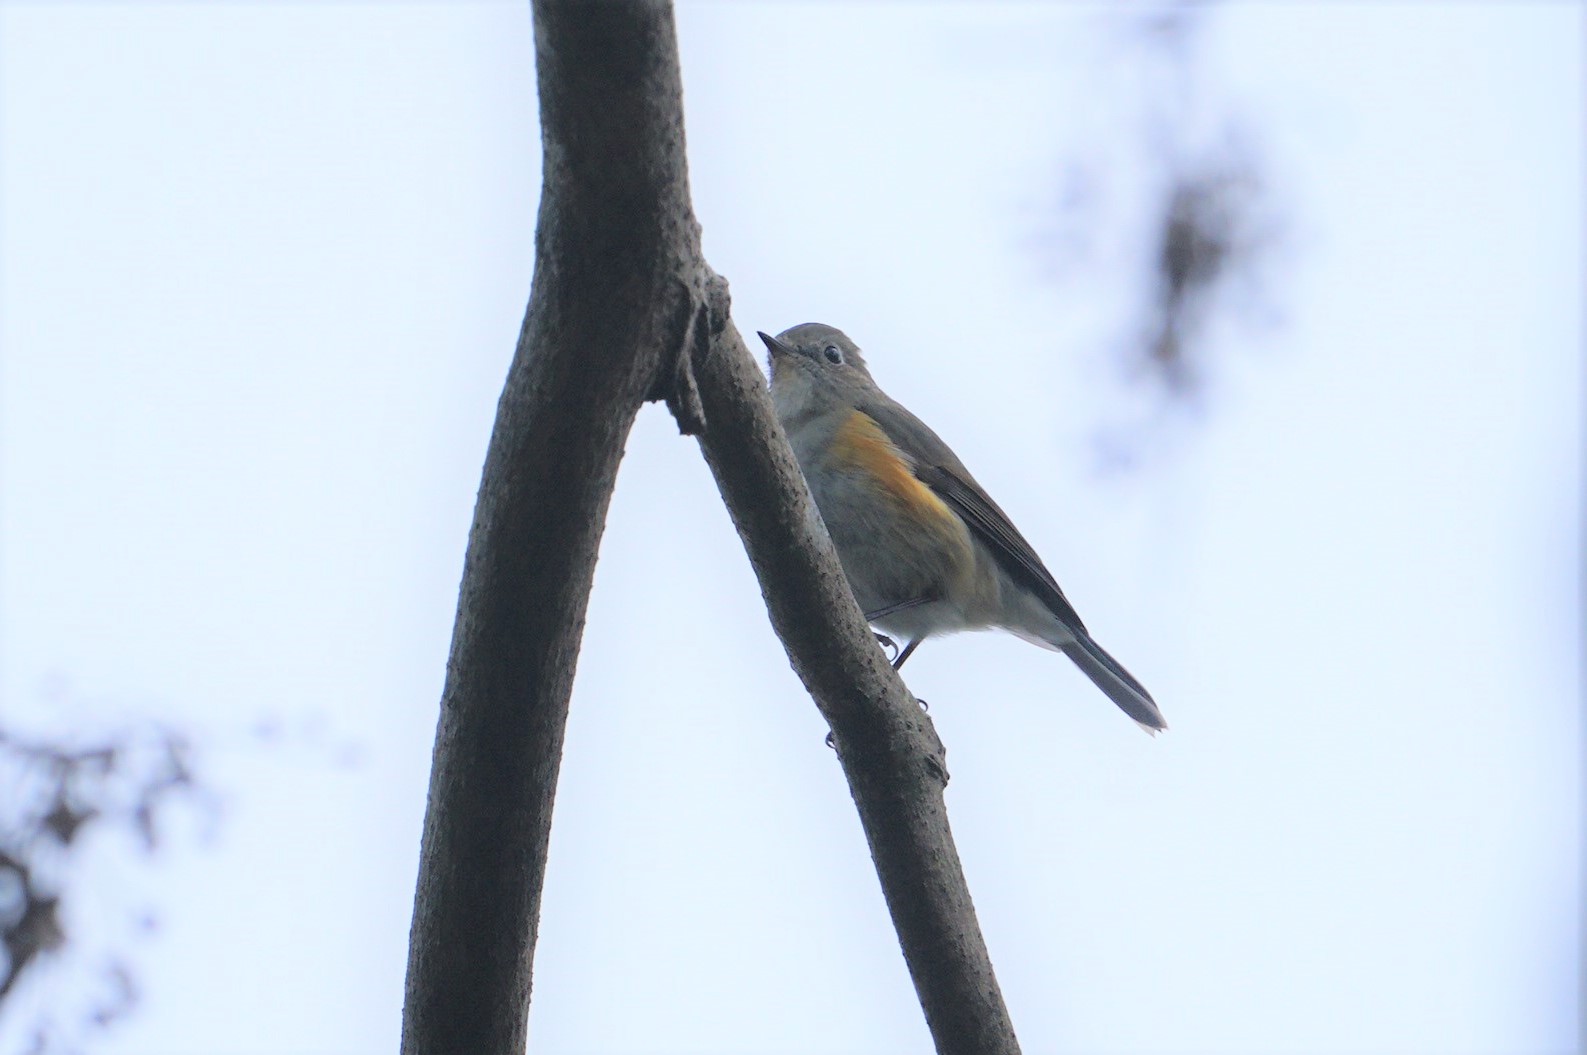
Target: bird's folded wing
pixel 992 526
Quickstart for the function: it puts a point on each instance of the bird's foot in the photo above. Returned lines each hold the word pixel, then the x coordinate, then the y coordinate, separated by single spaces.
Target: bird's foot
pixel 887 643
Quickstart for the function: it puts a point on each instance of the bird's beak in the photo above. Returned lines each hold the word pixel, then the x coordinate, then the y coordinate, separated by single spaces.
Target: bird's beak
pixel 774 346
pixel 776 351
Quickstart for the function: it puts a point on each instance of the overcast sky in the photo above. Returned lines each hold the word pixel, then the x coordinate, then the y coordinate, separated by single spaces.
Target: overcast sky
pixel 261 272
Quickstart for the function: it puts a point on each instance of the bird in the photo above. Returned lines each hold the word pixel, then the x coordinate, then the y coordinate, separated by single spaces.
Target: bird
pixel 925 549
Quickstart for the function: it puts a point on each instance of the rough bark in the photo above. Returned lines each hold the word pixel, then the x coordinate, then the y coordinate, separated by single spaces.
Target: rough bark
pixel 623 309
pixel 615 233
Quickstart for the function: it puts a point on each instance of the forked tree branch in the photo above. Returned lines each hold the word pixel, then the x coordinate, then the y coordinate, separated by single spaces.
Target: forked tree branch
pixel 624 309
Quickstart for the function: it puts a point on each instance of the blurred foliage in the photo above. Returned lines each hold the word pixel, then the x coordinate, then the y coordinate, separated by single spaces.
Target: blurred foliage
pixel 1205 244
pixel 1210 225
pixel 58 802
pixel 1175 191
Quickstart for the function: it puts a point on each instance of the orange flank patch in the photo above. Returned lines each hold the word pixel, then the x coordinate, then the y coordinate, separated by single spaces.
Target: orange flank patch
pixel 860 444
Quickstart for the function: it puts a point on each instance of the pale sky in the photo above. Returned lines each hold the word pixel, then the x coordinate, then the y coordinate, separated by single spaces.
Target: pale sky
pixel 261 272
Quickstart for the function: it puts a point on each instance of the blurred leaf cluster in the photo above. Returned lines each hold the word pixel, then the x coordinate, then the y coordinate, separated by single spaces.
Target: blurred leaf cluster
pixel 60 801
pixel 1171 202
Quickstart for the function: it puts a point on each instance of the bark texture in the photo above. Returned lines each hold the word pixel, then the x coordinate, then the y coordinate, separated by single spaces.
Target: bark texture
pixel 623 309
pixel 615 234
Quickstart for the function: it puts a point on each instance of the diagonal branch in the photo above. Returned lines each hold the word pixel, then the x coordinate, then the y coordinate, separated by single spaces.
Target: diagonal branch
pixel 888 747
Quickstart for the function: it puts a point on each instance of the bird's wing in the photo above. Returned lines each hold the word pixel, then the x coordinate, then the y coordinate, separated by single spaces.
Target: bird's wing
pixel 937 467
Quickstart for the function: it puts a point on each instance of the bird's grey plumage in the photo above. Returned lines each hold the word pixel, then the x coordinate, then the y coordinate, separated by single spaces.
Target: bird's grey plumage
pixel 995 580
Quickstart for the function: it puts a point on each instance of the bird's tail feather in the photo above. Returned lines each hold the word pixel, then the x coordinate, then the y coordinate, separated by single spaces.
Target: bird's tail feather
pixel 1113 679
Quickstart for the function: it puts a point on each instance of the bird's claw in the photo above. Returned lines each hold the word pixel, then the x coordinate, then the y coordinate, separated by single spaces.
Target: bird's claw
pixel 887 643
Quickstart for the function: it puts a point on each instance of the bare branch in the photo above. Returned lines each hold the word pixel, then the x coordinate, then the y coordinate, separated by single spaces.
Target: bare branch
pixel 889 749
pixel 615 234
pixel 624 309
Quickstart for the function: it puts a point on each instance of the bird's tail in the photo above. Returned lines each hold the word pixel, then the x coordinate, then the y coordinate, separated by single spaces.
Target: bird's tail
pixel 1113 679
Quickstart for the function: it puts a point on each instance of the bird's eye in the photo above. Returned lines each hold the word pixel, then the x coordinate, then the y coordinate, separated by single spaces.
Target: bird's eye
pixel 834 354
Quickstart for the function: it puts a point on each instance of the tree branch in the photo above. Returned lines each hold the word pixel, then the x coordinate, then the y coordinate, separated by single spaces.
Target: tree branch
pixel 623 309
pixel 888 747
pixel 615 230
